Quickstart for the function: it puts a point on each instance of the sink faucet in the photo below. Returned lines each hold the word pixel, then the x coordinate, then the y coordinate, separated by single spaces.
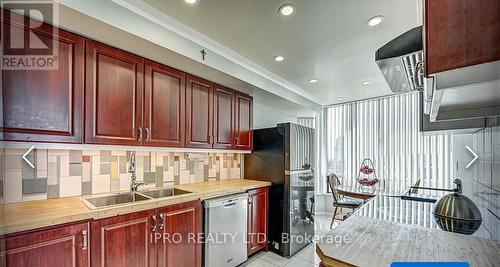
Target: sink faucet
pixel 131 169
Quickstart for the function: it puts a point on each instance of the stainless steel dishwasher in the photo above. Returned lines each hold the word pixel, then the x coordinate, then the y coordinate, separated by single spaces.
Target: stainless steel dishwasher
pixel 226 230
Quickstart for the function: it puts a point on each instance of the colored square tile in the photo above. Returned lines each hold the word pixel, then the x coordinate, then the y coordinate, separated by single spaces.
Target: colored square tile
pixel 52 173
pixel 96 165
pixel 75 169
pixel 27 170
pixel 147 164
pixel 115 185
pixel 70 186
pixel 86 188
pixel 41 159
pixel 149 177
pixel 41 174
pixel 85 158
pixel 125 180
pixel 122 164
pixel 86 172
pixel 105 155
pixel 13 163
pixel 75 156
pixel 159 176
pixel 105 168
pixel 63 166
pixel 101 184
pixel 13 187
pixel 114 171
pixel 52 191
pixel 34 186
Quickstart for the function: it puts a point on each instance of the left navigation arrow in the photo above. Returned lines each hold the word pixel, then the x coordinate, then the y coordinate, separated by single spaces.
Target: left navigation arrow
pixel 26 159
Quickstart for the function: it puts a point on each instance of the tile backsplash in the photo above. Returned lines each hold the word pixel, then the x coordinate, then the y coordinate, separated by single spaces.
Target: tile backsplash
pixel 63 173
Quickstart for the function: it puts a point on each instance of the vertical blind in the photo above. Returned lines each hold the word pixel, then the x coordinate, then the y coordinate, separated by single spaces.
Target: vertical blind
pixel 386 130
pixel 306 121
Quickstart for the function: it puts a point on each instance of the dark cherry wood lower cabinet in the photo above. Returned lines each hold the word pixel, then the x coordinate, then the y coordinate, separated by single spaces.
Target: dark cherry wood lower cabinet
pixel 258 200
pixel 180 226
pixel 61 246
pixel 157 237
pixel 124 240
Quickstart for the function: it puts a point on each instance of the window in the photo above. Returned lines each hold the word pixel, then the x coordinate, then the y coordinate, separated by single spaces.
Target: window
pixel 385 130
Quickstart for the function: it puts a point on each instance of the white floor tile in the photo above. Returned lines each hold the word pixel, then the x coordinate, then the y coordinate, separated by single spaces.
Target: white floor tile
pixel 257 263
pixel 275 259
pixel 298 262
pixel 309 254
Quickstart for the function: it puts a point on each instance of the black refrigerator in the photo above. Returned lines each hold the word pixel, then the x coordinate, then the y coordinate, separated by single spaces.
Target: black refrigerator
pixel 284 156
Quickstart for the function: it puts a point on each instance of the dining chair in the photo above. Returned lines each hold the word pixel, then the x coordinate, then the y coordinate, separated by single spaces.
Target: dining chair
pixel 338 200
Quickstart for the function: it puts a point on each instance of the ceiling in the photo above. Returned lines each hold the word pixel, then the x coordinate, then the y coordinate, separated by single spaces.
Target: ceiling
pixel 327 40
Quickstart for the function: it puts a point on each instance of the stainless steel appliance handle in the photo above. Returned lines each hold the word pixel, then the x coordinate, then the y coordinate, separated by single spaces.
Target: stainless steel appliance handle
pixel 85 239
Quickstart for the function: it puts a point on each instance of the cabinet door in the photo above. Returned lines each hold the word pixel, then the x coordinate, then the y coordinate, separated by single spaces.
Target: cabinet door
pixel 257 219
pixel 181 226
pixel 114 92
pixel 243 122
pixel 124 240
pixel 460 33
pixel 43 105
pixel 60 246
pixel 199 102
pixel 165 99
pixel 223 117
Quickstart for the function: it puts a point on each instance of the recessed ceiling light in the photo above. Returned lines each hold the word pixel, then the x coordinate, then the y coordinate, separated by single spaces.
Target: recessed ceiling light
pixel 286 9
pixel 279 58
pixel 339 98
pixel 374 21
pixel 191 1
pixel 313 80
pixel 366 82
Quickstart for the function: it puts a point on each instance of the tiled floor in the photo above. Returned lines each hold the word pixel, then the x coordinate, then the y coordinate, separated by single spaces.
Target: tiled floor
pixel 305 258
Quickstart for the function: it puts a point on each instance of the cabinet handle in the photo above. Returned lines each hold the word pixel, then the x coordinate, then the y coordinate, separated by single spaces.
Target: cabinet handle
pixel 148 134
pixel 236 140
pixel 155 223
pixel 140 132
pixel 85 239
pixel 162 220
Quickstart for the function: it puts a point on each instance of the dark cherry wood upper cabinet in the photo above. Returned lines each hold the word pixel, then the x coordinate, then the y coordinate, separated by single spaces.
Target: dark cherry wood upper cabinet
pixel 114 96
pixel 223 117
pixel 258 201
pixel 243 121
pixel 460 33
pixel 124 240
pixel 199 108
pixel 165 105
pixel 182 223
pixel 61 246
pixel 43 105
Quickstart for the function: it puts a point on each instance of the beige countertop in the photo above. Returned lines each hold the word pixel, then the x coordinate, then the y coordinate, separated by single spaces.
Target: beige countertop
pixel 43 213
pixel 370 237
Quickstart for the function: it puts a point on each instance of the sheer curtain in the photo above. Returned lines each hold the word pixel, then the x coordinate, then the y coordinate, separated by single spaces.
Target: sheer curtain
pixel 385 130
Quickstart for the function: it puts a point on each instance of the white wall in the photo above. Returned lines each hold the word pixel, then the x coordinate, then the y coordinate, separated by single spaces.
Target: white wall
pixel 462 157
pixel 265 116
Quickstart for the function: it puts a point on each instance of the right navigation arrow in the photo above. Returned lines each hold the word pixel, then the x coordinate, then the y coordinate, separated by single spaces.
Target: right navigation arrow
pixel 474 159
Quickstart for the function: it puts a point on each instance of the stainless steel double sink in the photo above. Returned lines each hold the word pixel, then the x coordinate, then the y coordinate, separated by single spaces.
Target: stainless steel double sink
pixel 130 197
